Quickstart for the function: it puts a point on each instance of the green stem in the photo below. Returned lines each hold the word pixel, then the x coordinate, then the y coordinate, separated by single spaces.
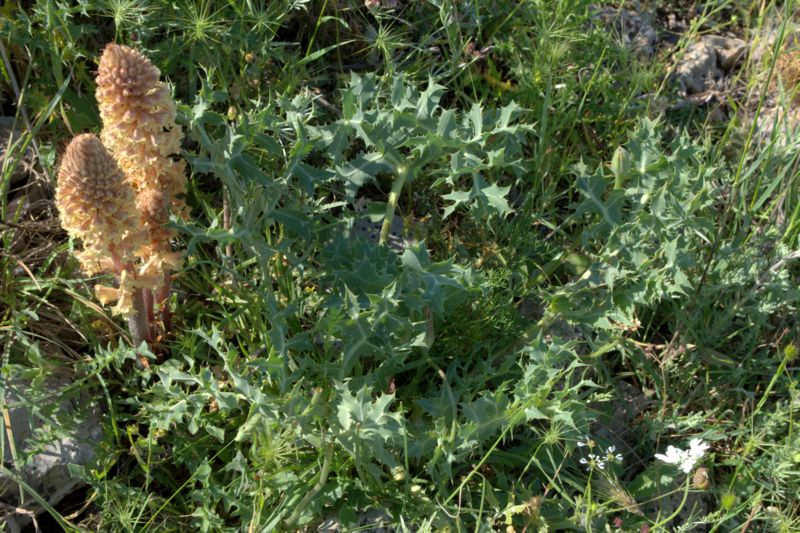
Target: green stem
pixel 397 187
pixel 788 354
pixel 316 28
pixel 310 495
pixel 671 517
pixel 162 297
pixel 588 495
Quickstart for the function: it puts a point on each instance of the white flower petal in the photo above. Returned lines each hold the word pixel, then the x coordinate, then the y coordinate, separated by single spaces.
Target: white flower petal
pixel 697 448
pixel 684 459
pixel 673 455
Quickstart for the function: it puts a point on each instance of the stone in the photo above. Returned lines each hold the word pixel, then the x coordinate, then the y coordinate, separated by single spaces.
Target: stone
pixel 44 453
pixel 778 124
pixel 705 64
pixel 633 28
pixel 369 229
pixel 729 50
pixel 629 403
pixel 371 521
pixel 697 71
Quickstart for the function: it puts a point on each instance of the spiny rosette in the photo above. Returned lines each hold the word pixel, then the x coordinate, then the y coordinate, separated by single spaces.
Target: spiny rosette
pixel 140 130
pixel 98 206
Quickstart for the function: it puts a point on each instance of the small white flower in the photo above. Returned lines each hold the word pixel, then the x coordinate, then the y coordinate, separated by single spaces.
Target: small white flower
pixel 592 461
pixel 612 457
pixel 684 459
pixel 588 442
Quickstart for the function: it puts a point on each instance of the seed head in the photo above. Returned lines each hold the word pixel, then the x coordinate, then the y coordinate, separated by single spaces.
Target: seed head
pixel 700 480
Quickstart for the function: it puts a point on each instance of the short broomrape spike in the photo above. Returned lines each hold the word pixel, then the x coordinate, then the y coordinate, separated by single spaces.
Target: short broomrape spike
pixel 97 206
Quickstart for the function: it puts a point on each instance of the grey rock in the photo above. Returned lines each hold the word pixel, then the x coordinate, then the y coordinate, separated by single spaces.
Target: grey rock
pixel 706 64
pixel 629 403
pixel 633 28
pixel 329 525
pixel 729 50
pixel 44 452
pixel 778 124
pixel 697 71
pixel 366 227
pixel 371 521
pixel 376 521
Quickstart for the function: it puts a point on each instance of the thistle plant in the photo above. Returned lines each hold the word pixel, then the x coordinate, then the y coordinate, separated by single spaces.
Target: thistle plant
pixel 98 207
pixel 139 129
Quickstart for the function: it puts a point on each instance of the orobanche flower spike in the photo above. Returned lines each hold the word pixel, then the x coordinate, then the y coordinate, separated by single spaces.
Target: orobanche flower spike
pixel 116 196
pixel 140 131
pixel 98 207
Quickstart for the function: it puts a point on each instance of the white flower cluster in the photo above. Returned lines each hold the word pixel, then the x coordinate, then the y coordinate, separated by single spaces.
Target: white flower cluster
pixel 593 460
pixel 684 459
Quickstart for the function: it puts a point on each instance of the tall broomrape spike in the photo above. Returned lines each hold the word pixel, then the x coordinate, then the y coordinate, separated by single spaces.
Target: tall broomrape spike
pixel 140 131
pixel 97 205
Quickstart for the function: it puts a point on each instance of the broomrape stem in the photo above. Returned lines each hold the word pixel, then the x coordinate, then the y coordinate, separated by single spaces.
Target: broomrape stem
pixel 108 228
pixel 397 187
pixel 137 322
pixel 147 294
pixel 152 166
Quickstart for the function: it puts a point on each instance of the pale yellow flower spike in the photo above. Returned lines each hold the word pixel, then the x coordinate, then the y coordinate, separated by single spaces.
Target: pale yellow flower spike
pixel 98 207
pixel 140 131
